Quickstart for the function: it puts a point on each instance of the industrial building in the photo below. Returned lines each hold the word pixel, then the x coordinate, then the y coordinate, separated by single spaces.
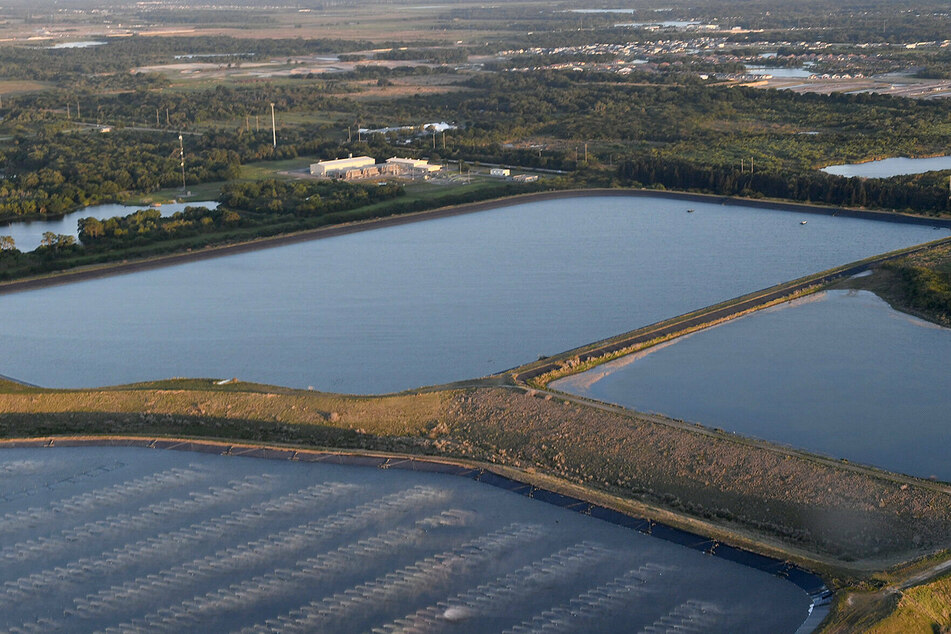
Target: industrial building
pixel 414 167
pixel 377 170
pixel 339 167
pixel 361 167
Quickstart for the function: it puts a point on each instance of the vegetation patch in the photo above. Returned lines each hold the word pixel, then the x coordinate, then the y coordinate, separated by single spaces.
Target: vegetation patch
pixel 919 284
pixel 921 610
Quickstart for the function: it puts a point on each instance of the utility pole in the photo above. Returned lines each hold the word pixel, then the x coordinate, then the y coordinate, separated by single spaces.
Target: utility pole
pixel 273 126
pixel 166 117
pixel 181 150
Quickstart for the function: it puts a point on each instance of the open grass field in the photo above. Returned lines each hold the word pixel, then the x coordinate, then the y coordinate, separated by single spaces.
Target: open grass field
pixel 202 191
pixel 923 609
pixel 21 86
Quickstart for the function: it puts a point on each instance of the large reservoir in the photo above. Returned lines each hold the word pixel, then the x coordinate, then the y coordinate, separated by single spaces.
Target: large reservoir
pixel 143 540
pixel 425 303
pixel 840 373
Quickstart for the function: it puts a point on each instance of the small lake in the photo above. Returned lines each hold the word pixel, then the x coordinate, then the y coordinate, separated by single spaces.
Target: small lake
pixel 150 540
pixel 424 303
pixel 28 233
pixel 600 11
pixel 891 167
pixel 840 373
pixel 676 24
pixel 83 44
pixel 779 72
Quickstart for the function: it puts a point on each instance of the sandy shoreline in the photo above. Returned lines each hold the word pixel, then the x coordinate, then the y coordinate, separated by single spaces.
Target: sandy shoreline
pixel 123 267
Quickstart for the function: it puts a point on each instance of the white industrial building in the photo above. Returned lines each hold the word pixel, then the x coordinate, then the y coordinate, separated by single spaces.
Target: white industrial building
pixel 416 167
pixel 499 171
pixel 365 167
pixel 338 167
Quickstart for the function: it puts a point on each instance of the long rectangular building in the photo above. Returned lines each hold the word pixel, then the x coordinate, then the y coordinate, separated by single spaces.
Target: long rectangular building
pixel 416 167
pixel 338 167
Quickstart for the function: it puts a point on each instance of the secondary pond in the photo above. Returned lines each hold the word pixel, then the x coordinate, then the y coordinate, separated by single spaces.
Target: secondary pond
pixel 779 72
pixel 891 167
pixel 148 540
pixel 840 373
pixel 28 233
pixel 83 44
pixel 677 24
pixel 424 303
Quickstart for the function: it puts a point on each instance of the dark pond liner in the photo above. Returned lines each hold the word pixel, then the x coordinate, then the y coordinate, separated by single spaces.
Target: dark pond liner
pixel 811 583
pixel 199 448
pixel 120 442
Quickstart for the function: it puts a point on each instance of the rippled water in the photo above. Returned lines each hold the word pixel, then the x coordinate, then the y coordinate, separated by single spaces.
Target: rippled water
pixel 841 373
pixel 96 538
pixel 424 303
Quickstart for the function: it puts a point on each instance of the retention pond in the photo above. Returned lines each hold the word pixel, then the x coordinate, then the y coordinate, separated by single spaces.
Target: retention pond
pixel 425 303
pixel 839 373
pixel 140 539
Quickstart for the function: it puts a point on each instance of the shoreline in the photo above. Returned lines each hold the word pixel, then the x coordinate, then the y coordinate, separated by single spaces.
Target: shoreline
pixel 126 266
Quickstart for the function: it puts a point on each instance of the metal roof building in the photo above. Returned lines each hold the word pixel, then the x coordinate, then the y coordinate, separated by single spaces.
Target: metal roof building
pixel 340 166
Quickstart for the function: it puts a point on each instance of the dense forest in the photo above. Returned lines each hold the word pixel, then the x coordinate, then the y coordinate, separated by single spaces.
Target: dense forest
pixel 688 136
pixel 55 172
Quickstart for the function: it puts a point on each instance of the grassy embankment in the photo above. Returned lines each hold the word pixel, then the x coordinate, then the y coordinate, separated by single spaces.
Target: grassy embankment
pixel 832 516
pixel 919 284
pixel 915 606
pixel 924 609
